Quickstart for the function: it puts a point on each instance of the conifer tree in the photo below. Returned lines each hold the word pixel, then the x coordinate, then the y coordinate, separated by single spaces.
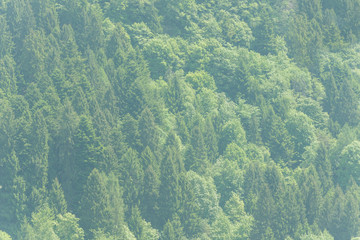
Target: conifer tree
pixel 94 210
pixel 197 158
pixel 211 140
pixel 57 200
pixel 87 154
pixel 174 142
pixel 37 167
pixel 150 196
pixel 312 194
pixel 21 20
pixel 265 210
pixel 132 177
pixel 168 231
pixel 148 132
pixel 130 129
pixel 169 188
pixel 275 135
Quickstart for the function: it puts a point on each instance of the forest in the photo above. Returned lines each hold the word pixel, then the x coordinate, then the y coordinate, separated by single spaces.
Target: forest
pixel 179 119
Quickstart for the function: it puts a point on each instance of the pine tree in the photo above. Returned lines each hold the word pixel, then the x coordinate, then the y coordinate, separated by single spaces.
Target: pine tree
pixel 174 142
pixel 148 159
pixel 13 194
pixel 312 194
pixel 169 188
pixel 332 34
pixel 197 160
pixel 116 206
pixel 6 43
pixel 94 210
pixel 57 200
pixel 130 130
pixel 148 132
pixel 211 140
pixel 8 75
pixel 253 181
pixel 135 223
pixel 275 135
pixel 150 196
pixel 168 231
pixel 264 32
pixel 36 169
pixel 21 20
pixel 132 177
pixel 87 153
pixel 265 210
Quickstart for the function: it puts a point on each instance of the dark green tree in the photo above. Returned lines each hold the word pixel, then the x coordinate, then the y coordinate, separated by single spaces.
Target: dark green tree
pixel 150 195
pixel 94 211
pixel 131 177
pixel 264 32
pixel 169 200
pixel 87 156
pixel 57 200
pixel 265 210
pixel 196 158
pixel 148 132
pixel 310 187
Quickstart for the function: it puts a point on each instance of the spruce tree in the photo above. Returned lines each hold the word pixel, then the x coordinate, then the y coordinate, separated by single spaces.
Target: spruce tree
pixel 169 188
pixel 131 178
pixel 57 200
pixel 94 210
pixel 148 132
pixel 87 153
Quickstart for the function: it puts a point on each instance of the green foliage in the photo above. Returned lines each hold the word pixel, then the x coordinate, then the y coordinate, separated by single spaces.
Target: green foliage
pixel 323 236
pixel 179 119
pixel 44 225
pixel 57 199
pixel 101 205
pixel 228 178
pixel 67 227
pixel 242 222
pixel 169 187
pixel 132 177
pixel 4 236
pixel 200 80
pixel 348 164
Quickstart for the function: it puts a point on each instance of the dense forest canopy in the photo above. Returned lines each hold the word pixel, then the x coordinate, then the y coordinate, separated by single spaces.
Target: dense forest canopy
pixel 179 119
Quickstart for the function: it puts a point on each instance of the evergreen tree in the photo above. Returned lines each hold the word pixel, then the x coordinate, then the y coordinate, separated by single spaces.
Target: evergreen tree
pixel 67 227
pixel 87 157
pixel 243 223
pixel 148 132
pixel 264 32
pixel 275 135
pixel 130 130
pixel 169 188
pixel 265 210
pixel 21 20
pixel 174 142
pixel 197 158
pixel 149 202
pixel 94 211
pixel 6 42
pixel 179 119
pixel 148 159
pixel 312 194
pixel 168 231
pixel 57 200
pixel 132 177
pixel 36 169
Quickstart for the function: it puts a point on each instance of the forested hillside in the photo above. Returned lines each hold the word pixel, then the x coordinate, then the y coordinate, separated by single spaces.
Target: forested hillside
pixel 179 119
